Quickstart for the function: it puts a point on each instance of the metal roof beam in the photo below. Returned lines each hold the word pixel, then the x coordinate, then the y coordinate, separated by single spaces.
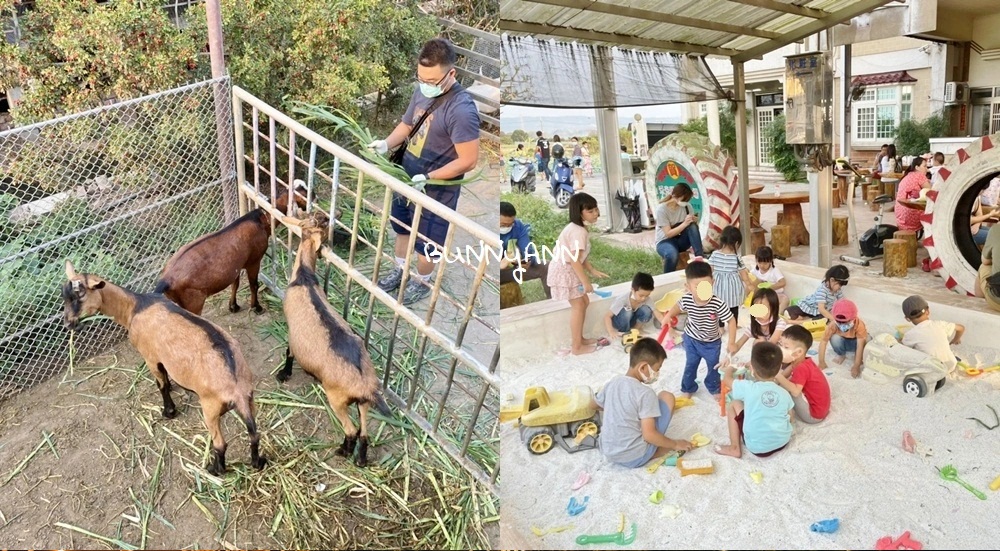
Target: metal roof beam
pixel 595 36
pixel 773 5
pixel 831 20
pixel 649 15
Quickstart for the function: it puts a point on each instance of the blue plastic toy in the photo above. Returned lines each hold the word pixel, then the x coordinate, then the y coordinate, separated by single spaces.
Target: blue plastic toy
pixel 598 292
pixel 828 526
pixel 576 507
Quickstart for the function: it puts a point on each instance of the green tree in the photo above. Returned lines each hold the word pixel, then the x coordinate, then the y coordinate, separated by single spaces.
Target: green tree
pixel 77 54
pixel 625 137
pixel 913 137
pixel 519 136
pixel 321 52
pixel 783 154
pixel 727 129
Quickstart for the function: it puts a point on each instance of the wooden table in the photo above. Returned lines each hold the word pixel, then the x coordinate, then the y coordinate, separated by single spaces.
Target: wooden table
pixel 919 205
pixel 755 208
pixel 889 182
pixel 791 212
pixel 843 180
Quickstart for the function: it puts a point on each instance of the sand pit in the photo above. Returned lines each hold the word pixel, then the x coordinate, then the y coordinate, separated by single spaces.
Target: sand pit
pixel 851 466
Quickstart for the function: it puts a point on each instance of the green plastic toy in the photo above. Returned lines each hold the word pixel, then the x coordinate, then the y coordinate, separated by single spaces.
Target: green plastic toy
pixel 950 473
pixel 618 537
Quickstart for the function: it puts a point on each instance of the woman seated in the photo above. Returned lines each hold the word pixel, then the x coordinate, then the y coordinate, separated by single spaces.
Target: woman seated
pixel 980 220
pixel 676 227
pixel 988 280
pixel 914 180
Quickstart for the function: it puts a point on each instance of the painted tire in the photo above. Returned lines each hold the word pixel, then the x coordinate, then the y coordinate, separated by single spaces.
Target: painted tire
pixel 692 158
pixel 968 167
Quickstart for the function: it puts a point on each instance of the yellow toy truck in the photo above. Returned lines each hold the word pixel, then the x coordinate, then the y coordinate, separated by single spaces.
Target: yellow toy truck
pixel 565 418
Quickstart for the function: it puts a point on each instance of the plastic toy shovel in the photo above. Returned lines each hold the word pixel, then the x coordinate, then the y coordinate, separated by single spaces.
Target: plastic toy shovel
pixel 618 537
pixel 950 473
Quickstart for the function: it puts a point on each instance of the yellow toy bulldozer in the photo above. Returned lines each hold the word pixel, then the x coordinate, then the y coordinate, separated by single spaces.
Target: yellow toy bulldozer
pixel 565 418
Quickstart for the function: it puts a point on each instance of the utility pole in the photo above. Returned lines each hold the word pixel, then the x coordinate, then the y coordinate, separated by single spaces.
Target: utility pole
pixel 223 114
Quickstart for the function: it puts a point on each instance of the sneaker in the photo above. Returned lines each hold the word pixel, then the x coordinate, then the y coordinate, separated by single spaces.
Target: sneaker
pixel 416 290
pixel 391 282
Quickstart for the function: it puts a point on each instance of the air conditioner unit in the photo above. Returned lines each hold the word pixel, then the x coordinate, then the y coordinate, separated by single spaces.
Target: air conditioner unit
pixel 956 92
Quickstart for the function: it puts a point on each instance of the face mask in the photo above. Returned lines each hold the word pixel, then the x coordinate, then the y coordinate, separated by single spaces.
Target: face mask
pixel 650 379
pixel 506 230
pixel 845 326
pixel 430 90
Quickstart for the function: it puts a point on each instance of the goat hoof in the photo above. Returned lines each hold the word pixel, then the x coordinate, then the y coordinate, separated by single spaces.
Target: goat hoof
pixel 234 307
pixel 259 463
pixel 282 376
pixel 361 461
pixel 258 310
pixel 169 413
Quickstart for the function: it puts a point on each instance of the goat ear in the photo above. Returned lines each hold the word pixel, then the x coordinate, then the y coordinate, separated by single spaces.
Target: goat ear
pixel 98 285
pixel 70 272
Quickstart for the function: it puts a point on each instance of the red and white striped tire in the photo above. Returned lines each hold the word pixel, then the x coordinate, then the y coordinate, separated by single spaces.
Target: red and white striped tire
pixel 970 165
pixel 714 175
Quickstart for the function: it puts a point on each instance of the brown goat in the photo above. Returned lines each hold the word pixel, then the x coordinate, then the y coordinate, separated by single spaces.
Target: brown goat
pixel 197 354
pixel 213 262
pixel 325 346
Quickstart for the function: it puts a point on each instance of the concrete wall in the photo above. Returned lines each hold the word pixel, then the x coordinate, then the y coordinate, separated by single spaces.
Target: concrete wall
pixel 545 325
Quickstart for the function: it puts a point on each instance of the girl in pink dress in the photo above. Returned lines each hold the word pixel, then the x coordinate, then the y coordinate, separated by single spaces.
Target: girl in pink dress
pixel 914 179
pixel 568 276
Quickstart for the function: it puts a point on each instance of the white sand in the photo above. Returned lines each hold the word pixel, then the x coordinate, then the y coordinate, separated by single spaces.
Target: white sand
pixel 851 467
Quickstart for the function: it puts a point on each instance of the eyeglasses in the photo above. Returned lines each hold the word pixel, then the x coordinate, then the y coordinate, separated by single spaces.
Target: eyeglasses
pixel 438 83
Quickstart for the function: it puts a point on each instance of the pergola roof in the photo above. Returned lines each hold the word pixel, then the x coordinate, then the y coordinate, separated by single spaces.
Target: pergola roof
pixel 740 29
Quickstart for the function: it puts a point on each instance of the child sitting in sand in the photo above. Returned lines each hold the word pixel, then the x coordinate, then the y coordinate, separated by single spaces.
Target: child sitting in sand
pixel 932 337
pixel 636 418
pixel 702 340
pixel 632 309
pixel 765 271
pixel 803 380
pixel 759 416
pixel 846 334
pixel 818 304
pixel 765 324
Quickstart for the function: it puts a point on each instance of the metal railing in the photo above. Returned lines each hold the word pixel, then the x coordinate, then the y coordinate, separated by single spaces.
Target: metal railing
pixel 437 360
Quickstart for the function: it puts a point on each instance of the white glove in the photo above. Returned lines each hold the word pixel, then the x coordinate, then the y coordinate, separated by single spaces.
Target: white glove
pixel 418 182
pixel 380 147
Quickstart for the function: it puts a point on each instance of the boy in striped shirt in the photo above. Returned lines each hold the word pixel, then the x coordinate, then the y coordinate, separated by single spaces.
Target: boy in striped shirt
pixel 702 339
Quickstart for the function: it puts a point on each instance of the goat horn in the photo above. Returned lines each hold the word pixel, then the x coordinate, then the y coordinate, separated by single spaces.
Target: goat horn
pixel 70 272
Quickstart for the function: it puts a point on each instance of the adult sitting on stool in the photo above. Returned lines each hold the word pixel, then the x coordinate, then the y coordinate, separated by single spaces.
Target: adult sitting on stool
pixel 676 227
pixel 512 229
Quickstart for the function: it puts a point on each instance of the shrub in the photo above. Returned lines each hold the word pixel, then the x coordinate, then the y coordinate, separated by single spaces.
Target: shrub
pixel 914 138
pixel 783 154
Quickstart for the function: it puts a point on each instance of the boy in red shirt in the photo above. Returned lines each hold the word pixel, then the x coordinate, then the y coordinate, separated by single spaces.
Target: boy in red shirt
pixel 801 377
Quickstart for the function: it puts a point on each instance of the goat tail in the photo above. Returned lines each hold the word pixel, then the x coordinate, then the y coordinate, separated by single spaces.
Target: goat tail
pixel 161 287
pixel 379 402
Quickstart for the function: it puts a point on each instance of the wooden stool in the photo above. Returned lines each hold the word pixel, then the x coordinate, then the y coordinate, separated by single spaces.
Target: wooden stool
pixel 840 230
pixel 682 260
pixel 836 196
pixel 872 194
pixel 781 240
pixel 510 294
pixel 757 239
pixel 894 260
pixel 910 237
pixel 864 190
pixel 779 219
pixel 754 214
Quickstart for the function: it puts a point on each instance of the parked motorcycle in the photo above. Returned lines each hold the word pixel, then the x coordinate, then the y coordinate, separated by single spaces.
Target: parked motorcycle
pixel 562 183
pixel 522 175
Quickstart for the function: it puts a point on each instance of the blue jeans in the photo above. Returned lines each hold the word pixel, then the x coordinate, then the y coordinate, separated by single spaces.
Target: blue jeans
pixel 842 345
pixel 670 249
pixel 626 319
pixel 695 351
pixel 543 166
pixel 980 236
pixel 662 422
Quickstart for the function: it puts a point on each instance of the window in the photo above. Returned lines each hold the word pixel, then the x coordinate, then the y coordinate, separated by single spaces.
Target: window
pixel 878 112
pixel 703 109
pixel 985 111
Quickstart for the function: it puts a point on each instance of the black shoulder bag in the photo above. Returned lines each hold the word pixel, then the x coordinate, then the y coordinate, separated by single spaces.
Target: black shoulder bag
pixel 397 154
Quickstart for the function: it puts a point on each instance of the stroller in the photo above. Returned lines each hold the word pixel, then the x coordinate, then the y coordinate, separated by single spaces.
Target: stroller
pixel 630 206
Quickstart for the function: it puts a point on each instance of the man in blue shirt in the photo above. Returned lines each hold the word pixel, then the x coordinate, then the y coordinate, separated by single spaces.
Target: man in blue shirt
pixel 445 147
pixel 512 229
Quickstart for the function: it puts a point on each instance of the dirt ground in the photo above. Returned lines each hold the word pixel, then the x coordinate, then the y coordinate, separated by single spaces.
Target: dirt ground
pixel 104 423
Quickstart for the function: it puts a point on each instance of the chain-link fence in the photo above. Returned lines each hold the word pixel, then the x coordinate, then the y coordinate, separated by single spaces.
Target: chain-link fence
pixel 116 190
pixel 437 357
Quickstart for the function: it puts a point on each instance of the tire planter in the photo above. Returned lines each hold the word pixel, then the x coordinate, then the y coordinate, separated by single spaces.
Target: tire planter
pixel 949 203
pixel 691 158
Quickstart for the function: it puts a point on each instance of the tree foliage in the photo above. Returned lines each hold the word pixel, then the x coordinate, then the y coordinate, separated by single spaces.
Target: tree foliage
pixel 727 128
pixel 320 52
pixel 783 154
pixel 77 54
pixel 913 137
pixel 520 136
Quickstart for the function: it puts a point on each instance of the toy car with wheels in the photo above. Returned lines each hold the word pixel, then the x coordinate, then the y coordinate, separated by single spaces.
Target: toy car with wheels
pixel 922 374
pixel 565 418
pixel 630 338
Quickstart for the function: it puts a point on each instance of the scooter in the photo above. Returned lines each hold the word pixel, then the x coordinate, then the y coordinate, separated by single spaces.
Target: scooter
pixel 870 242
pixel 562 183
pixel 522 175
